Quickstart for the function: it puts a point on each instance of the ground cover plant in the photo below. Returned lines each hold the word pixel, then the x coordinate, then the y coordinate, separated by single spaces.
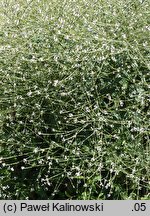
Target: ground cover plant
pixel 74 117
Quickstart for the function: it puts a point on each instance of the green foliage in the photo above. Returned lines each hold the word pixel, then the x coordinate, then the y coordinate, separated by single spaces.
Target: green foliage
pixel 74 99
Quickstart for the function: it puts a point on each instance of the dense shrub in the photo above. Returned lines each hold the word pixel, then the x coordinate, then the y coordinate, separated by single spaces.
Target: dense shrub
pixel 74 99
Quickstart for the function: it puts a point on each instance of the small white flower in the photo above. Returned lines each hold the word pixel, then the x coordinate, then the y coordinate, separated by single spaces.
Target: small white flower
pixel 111 170
pixel 55 83
pixel 41 161
pixel 124 36
pixel 35 150
pixel 121 103
pixel 70 115
pixel 66 37
pixel 68 173
pixel 92 159
pixel 3 164
pixel 87 109
pixel 25 160
pixel 63 93
pixel 38 92
pixel 29 93
pixel 78 173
